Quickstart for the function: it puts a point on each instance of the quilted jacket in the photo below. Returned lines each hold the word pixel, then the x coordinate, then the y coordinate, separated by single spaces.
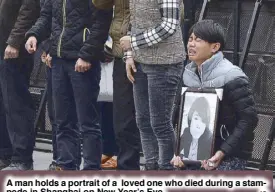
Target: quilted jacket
pixel 76 28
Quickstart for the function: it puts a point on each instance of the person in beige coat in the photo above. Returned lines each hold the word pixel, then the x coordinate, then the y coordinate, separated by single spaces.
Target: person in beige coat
pixel 126 131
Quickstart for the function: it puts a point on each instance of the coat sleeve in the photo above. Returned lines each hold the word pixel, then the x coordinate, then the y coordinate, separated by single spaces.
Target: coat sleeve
pixel 239 95
pixel 28 14
pixel 42 28
pixel 93 48
pixel 103 4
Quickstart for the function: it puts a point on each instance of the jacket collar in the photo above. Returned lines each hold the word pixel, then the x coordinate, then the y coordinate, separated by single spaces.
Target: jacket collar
pixel 207 65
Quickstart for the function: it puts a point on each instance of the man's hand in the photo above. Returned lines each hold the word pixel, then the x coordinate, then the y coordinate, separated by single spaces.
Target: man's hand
pixel 11 52
pixel 43 57
pixel 177 162
pixel 125 43
pixel 130 68
pixel 47 59
pixel 82 66
pixel 214 161
pixel 31 44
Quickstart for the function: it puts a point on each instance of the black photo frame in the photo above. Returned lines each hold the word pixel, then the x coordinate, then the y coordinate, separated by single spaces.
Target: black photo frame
pixel 196 128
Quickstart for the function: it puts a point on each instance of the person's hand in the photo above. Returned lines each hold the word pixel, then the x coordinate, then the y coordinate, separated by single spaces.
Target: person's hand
pixel 125 43
pixel 214 161
pixel 82 66
pixel 177 162
pixel 31 44
pixel 43 57
pixel 108 58
pixel 11 53
pixel 49 61
pixel 130 68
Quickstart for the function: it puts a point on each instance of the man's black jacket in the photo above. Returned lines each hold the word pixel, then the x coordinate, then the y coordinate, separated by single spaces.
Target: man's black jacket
pixel 16 18
pixel 76 28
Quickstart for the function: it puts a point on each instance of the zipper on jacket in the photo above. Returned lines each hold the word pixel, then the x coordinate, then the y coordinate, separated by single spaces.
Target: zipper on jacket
pixel 200 73
pixel 198 77
pixel 222 130
pixel 85 34
pixel 63 29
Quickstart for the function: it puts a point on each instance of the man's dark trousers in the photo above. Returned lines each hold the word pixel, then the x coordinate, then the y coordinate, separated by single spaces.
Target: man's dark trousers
pixel 75 90
pixel 51 113
pixel 18 107
pixel 126 131
pixel 5 144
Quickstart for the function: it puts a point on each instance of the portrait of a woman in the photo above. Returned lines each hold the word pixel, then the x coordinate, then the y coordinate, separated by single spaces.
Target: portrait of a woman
pixel 196 139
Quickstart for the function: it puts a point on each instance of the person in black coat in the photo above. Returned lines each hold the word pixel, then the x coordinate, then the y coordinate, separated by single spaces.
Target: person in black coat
pixel 78 32
pixel 17 109
pixel 196 139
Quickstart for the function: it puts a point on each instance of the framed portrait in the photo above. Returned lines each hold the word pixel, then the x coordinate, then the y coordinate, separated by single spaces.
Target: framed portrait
pixel 197 123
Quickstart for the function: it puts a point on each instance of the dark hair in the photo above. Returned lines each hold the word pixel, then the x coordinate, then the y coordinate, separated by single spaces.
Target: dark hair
pixel 209 31
pixel 200 105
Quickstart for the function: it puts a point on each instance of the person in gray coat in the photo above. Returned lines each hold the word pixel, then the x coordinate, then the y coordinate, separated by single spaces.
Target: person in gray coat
pixel 237 114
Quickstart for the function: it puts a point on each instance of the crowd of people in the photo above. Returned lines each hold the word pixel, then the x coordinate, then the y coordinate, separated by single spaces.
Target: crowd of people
pixel 148 52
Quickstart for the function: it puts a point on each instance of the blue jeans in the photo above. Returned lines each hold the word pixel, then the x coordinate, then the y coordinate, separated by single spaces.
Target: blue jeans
pixel 50 108
pixel 19 110
pixel 155 91
pixel 51 112
pixel 76 93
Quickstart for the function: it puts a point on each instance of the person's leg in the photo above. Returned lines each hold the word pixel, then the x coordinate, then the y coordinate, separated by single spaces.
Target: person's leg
pixel 67 134
pixel 86 89
pixel 163 81
pixel 107 128
pixel 20 110
pixel 108 137
pixel 231 164
pixel 50 108
pixel 126 131
pixel 148 138
pixel 5 144
pixel 108 155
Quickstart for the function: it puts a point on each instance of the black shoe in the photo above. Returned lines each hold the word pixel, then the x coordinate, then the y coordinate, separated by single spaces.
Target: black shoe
pixel 19 166
pixel 151 167
pixel 4 163
pixel 52 166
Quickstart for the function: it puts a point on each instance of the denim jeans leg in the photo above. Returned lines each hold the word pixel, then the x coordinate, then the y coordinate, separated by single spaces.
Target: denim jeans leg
pixel 163 81
pixel 148 138
pixel 86 89
pixel 67 133
pixel 51 113
pixel 50 108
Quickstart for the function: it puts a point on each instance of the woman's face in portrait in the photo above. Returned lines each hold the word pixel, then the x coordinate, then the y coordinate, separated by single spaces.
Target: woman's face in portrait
pixel 197 127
